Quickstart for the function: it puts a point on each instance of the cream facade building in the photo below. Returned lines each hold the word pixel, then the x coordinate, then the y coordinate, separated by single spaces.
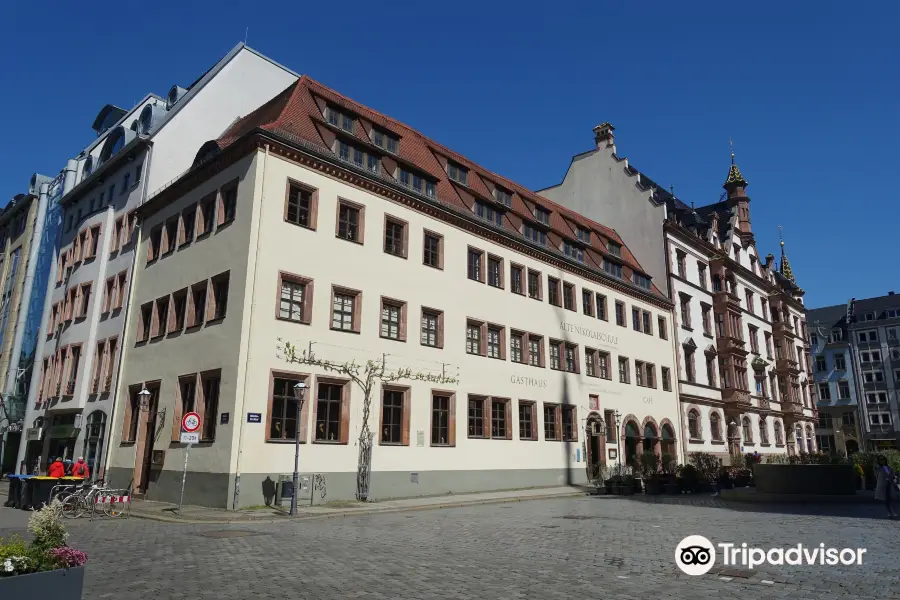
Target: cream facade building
pixel 520 342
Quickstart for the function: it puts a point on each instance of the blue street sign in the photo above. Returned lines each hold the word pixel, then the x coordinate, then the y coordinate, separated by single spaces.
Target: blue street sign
pixel 254 417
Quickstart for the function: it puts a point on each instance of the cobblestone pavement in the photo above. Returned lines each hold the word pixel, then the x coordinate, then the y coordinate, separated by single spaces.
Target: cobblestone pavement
pixel 561 548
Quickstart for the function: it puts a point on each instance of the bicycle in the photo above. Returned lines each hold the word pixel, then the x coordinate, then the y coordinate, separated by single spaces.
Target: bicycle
pixel 115 503
pixel 82 500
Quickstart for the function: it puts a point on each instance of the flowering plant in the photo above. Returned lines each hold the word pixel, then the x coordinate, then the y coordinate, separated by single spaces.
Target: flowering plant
pixel 67 557
pixel 46 552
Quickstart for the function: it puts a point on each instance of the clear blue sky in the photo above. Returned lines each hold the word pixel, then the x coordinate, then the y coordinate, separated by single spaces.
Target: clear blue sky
pixel 808 90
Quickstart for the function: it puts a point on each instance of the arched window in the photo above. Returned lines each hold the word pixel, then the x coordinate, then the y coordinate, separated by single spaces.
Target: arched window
pixel 134 125
pixel 650 437
pixel 763 431
pixel 631 443
pixel 668 440
pixel 715 427
pixel 95 433
pixel 694 424
pixel 798 437
pixel 779 439
pixel 809 438
pixel 747 430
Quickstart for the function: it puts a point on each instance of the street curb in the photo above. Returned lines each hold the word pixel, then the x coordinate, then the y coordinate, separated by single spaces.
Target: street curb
pixel 351 512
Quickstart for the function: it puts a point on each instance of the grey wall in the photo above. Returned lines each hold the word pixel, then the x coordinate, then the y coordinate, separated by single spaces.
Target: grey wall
pixel 598 186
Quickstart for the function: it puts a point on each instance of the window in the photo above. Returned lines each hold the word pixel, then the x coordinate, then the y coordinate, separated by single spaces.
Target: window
pixel 685 311
pixel 553 291
pixel 85 299
pixel 641 281
pixel 153 249
pixel 345 309
pixel 393 320
pixel 527 421
pixel 476 416
pixel 824 391
pixel 701 270
pixel 868 336
pixel 395 237
pixel 283 417
pixel 651 375
pixel 754 339
pixel 535 235
pixel 873 356
pixel 571 354
pixel 636 319
pixel 443 424
pixel 551 422
pixel 500 419
pixel 475 263
pixel 228 203
pixel 623 370
pixel 569 296
pixel 542 215
pixel 620 313
pixel 516 340
pixel 554 355
pixel 502 196
pixel 210 415
pixel 473 338
pixel 207 215
pixel 495 342
pixel 300 208
pixel 143 333
pixel 432 328
pixel 295 300
pixel 639 373
pixel 590 362
pixel 160 317
pixel 648 325
pixel 187 225
pixel 535 351
pixel 572 251
pixel 820 363
pixel 515 279
pixel 385 140
pixel 876 397
pixel 432 250
pixel 715 427
pixel 457 173
pixel 394 416
pixel 601 307
pixel 663 328
pixel 218 297
pixel 873 377
pixel 350 221
pixel 488 213
pixel 666 381
pixel 495 271
pixel 843 390
pixel 768 338
pixel 690 372
pixel 612 268
pixel 178 310
pixel 892 333
pixel 883 418
pixel 534 284
pixel 747 430
pixel 569 423
pixel 330 412
pixel 170 236
pixel 680 259
pixel 587 302
pixel 694 424
pixel 748 296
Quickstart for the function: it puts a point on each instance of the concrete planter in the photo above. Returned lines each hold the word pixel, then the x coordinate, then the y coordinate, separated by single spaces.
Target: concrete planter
pixel 62 584
pixel 826 480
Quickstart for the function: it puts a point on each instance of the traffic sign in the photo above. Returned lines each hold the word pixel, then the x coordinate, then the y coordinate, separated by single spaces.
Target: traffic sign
pixel 190 437
pixel 190 422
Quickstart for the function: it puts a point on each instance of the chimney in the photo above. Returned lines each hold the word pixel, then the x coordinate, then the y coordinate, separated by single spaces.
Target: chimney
pixel 603 135
pixel 891 293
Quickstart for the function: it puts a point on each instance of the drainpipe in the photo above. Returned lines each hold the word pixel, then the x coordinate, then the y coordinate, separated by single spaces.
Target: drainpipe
pixel 122 349
pixel 673 335
pixel 240 414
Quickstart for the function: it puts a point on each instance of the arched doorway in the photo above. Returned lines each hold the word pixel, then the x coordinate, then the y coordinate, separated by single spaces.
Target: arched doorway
pixel 852 447
pixel 95 432
pixel 667 446
pixel 594 432
pixel 651 439
pixel 632 436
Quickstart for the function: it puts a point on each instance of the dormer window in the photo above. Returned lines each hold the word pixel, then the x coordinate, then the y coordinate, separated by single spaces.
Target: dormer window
pixel 339 119
pixel 489 214
pixel 614 248
pixel 573 251
pixel 614 269
pixel 502 196
pixel 415 182
pixel 542 215
pixel 535 235
pixel 583 235
pixel 457 173
pixel 641 281
pixel 385 140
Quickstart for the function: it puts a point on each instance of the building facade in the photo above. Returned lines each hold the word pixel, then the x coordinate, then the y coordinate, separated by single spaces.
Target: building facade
pixel 834 380
pixel 514 343
pixel 136 151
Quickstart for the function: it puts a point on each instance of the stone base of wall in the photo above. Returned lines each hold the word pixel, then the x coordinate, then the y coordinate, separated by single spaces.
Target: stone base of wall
pixel 805 479
pixel 257 489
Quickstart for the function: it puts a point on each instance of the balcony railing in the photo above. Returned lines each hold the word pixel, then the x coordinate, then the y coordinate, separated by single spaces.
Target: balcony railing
pixel 787 365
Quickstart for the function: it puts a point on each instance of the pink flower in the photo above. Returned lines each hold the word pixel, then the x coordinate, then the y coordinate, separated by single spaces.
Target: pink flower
pixel 69 557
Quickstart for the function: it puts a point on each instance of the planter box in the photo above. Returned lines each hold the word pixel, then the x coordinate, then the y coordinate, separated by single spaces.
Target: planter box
pixel 62 584
pixel 829 480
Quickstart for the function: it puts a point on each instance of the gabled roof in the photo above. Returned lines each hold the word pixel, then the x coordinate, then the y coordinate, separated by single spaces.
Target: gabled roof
pixel 297 114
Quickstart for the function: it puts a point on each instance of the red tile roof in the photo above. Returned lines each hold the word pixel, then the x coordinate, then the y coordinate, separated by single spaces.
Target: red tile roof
pixel 298 112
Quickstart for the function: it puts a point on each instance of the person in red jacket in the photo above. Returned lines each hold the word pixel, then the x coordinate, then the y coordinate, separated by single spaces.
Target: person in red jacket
pixel 81 469
pixel 56 469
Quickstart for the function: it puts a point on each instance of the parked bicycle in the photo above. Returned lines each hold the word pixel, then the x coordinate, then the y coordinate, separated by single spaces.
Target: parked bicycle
pixel 82 500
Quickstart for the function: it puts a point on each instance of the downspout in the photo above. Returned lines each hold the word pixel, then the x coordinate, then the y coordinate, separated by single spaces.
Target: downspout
pixel 131 286
pixel 673 335
pixel 24 302
pixel 240 414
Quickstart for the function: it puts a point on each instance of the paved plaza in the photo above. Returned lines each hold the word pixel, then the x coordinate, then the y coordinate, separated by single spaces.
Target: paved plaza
pixel 580 547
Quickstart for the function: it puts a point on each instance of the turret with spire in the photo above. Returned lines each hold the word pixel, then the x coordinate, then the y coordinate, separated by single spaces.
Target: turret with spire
pixel 736 187
pixel 785 267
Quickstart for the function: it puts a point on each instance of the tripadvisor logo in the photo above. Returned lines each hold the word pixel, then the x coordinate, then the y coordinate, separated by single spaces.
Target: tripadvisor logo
pixel 696 555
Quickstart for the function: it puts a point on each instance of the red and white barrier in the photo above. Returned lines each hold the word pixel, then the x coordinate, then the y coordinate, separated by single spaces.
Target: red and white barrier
pixel 111 499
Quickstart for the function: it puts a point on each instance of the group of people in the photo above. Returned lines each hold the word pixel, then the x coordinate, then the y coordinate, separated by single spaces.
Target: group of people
pixel 59 468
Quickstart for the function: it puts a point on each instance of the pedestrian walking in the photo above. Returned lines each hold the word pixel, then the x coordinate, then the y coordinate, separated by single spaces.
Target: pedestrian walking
pixel 884 484
pixel 56 469
pixel 81 469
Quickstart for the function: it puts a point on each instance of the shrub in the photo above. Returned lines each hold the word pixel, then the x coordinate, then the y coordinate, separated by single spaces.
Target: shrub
pixel 706 464
pixel 47 528
pixel 48 550
pixel 649 463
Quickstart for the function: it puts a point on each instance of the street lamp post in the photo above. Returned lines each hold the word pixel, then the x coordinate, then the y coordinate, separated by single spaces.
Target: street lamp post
pixel 143 406
pixel 300 393
pixel 618 416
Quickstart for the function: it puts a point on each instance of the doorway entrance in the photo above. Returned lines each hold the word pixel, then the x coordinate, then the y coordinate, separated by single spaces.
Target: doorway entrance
pixel 595 446
pixel 148 437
